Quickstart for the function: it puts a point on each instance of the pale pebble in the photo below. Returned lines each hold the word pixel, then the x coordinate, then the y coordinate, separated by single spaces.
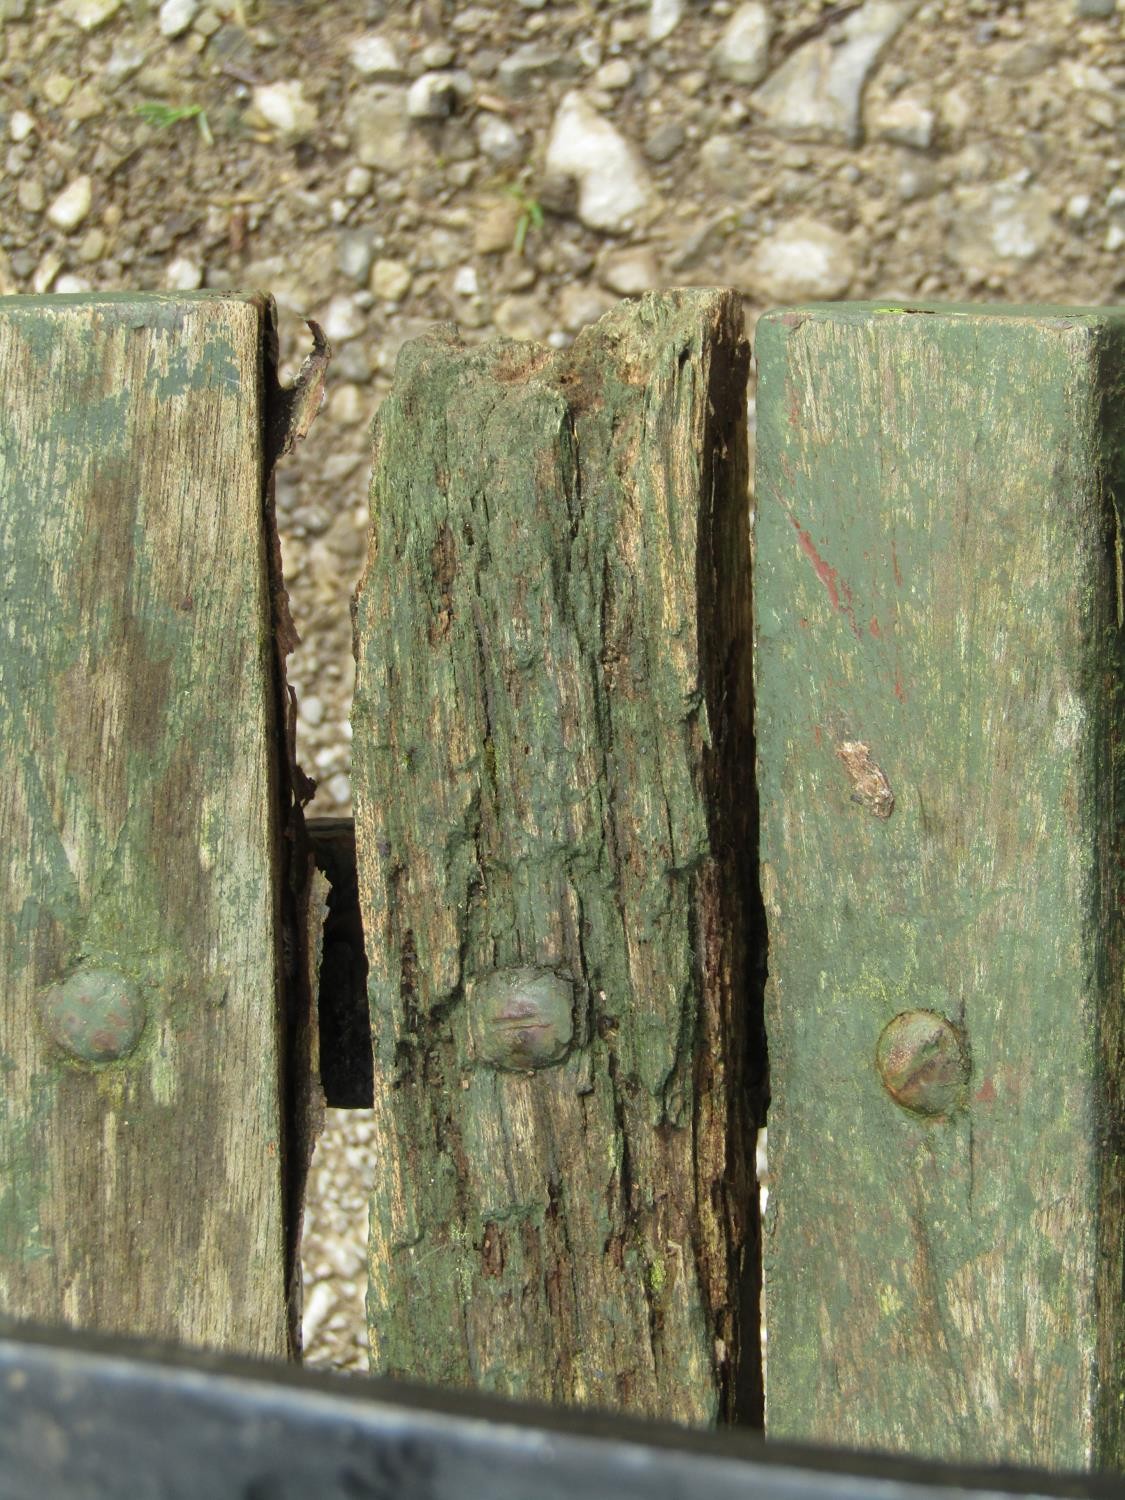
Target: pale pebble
pixel 73 204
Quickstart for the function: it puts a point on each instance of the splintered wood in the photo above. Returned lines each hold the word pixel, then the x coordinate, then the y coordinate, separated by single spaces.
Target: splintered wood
pixel 555 825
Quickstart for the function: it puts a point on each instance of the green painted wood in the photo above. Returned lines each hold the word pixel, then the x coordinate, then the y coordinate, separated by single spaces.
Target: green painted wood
pixel 938 600
pixel 554 815
pixel 140 1123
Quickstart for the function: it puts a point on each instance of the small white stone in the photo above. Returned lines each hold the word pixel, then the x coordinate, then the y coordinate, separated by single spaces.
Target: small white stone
pixel 613 186
pixel 816 94
pixel 347 1260
pixel 45 272
pixel 90 14
pixel 1077 207
pixel 589 52
pixel 125 59
pixel 318 1304
pixel 465 282
pixel 71 284
pixel 20 125
pixel 57 88
pixel 498 140
pixel 630 272
pixel 374 57
pixel 390 280
pixel 1000 225
pixel 183 274
pixel 437 55
pixel 430 97
pixel 956 112
pixel 284 106
pixel 663 18
pixel 176 16
pixel 30 195
pixel 1114 237
pixel 343 320
pixel 906 122
pixel 803 262
pixel 742 53
pixel 311 710
pixel 346 406
pixel 375 118
pixel 579 304
pixel 72 204
pixel 613 75
pixel 357 184
pixel 339 788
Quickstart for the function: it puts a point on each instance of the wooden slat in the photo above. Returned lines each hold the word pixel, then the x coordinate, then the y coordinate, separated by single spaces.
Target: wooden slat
pixel 553 817
pixel 140 1130
pixel 938 658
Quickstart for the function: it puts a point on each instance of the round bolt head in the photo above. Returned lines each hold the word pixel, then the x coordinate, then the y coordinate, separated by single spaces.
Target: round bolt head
pixel 922 1062
pixel 95 1015
pixel 520 1019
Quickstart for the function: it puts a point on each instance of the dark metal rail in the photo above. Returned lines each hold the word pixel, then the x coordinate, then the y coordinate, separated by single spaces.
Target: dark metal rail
pixel 86 1418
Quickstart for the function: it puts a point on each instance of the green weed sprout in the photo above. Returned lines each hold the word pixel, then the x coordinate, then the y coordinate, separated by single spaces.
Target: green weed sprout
pixel 531 216
pixel 164 115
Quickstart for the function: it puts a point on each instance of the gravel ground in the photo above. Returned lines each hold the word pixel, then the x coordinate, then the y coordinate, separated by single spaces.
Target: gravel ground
pixel 518 166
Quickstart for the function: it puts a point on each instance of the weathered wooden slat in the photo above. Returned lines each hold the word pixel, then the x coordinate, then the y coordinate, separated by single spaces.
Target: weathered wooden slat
pixel 140 1125
pixel 554 831
pixel 938 658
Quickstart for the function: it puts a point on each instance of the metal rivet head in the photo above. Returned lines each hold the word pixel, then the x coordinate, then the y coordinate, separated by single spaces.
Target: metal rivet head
pixel 922 1062
pixel 95 1015
pixel 520 1019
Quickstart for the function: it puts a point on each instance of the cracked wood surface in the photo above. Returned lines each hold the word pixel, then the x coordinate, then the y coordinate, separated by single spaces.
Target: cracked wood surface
pixel 554 818
pixel 139 1192
pixel 938 662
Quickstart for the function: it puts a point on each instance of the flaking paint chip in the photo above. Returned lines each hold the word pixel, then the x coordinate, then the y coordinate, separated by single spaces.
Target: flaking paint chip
pixel 870 787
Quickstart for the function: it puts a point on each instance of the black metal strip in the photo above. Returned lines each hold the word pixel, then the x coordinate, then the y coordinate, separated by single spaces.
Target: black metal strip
pixel 346 1062
pixel 87 1418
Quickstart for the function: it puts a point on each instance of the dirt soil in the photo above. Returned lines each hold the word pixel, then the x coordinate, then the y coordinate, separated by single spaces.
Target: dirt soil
pixel 519 165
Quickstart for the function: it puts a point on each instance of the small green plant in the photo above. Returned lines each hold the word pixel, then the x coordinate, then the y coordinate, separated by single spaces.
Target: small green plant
pixel 153 112
pixel 531 216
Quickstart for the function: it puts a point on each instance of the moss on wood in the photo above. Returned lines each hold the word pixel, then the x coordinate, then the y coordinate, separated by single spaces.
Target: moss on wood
pixel 554 811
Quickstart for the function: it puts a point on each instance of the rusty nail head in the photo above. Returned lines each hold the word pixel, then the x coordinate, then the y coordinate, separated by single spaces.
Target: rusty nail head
pixel 521 1019
pixel 922 1062
pixel 95 1015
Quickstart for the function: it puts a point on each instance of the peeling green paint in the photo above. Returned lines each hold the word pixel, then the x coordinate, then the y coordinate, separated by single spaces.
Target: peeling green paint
pixel 934 583
pixel 136 692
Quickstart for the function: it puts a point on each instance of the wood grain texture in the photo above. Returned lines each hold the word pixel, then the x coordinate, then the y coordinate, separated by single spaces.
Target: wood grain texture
pixel 138 826
pixel 938 661
pixel 552 779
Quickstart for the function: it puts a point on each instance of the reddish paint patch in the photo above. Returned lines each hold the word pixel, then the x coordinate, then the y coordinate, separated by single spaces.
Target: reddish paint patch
pixel 827 574
pixel 895 566
pixel 900 690
pixel 986 1093
pixel 817 736
pixel 874 628
pixel 838 591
